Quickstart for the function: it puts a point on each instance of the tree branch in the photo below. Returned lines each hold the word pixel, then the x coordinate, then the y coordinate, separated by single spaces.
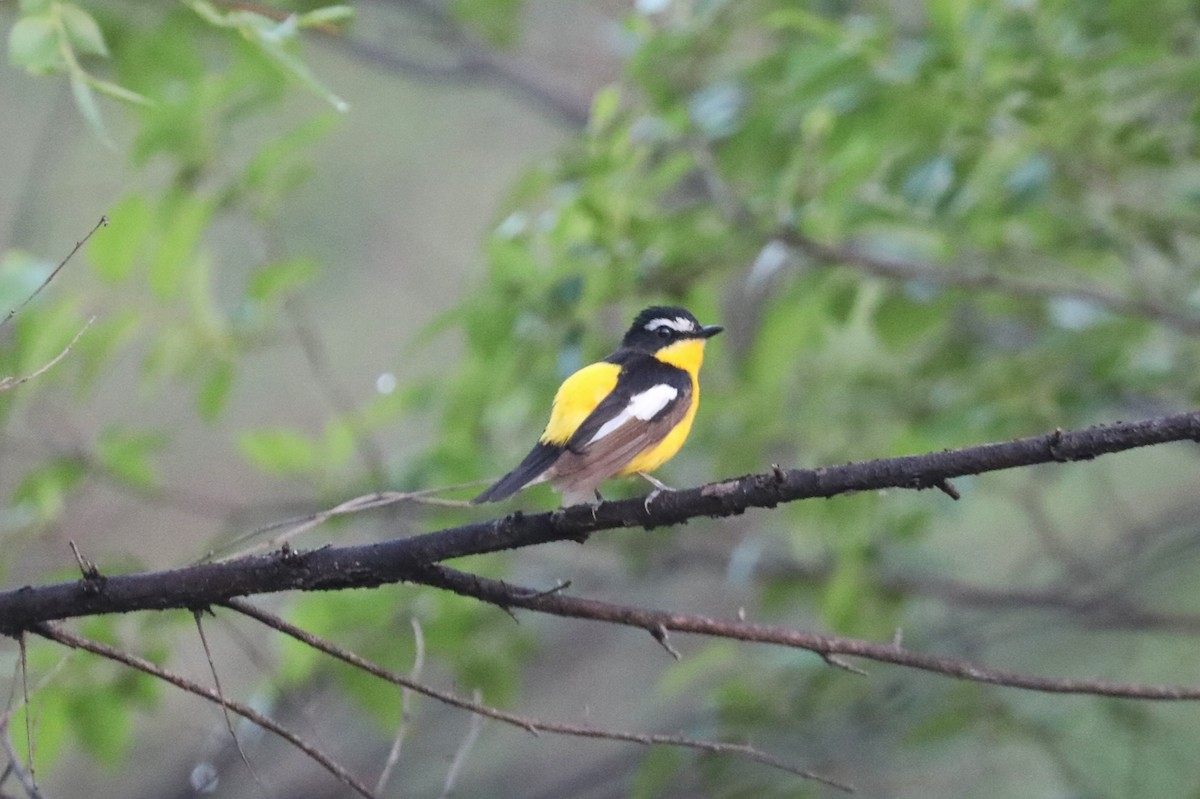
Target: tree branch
pixel 55 633
pixel 15 766
pixel 470 61
pixel 7 383
pixel 829 647
pixel 528 723
pixel 54 273
pixel 992 281
pixel 1091 606
pixel 406 695
pixel 396 560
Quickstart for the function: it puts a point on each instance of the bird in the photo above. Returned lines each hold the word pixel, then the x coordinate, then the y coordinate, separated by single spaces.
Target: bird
pixel 627 414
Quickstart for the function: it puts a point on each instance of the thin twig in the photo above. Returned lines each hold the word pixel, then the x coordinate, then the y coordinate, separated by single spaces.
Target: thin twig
pixel 406 695
pixel 15 767
pixel 503 594
pixel 12 382
pixel 28 708
pixel 838 663
pixel 14 761
pixel 530 724
pixel 1115 612
pixel 212 667
pixel 660 634
pixel 102 223
pixel 299 524
pixel 87 569
pixel 56 633
pixel 947 488
pixel 474 727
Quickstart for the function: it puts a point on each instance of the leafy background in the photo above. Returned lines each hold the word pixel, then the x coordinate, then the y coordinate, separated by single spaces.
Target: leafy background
pixel 355 249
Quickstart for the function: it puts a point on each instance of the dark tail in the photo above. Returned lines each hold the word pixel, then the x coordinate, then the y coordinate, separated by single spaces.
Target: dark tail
pixel 539 459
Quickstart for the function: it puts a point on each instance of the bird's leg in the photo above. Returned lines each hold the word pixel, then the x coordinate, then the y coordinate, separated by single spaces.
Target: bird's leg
pixel 654 481
pixel 659 487
pixel 594 505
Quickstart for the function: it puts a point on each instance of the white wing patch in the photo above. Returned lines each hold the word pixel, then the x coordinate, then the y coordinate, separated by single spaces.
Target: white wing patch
pixel 643 406
pixel 680 324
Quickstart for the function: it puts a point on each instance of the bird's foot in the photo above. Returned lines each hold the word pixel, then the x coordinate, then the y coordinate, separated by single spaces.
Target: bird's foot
pixel 596 505
pixel 659 487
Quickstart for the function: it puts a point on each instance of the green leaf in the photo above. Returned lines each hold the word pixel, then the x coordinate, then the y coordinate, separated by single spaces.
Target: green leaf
pixel 604 107
pixel 82 30
pixel 843 598
pixel 103 340
pixel 114 254
pixel 138 689
pixel 44 332
pixel 353 619
pixel 656 773
pixel 85 101
pixel 327 15
pixel 51 724
pixel 283 164
pixel 120 92
pixel 184 218
pixel 274 280
pixel 272 40
pixel 948 17
pixel 101 721
pixel 100 628
pixel 498 20
pixel 33 45
pixel 339 442
pixel 126 454
pixel 277 50
pixel 45 489
pixel 170 353
pixel 279 451
pixel 214 391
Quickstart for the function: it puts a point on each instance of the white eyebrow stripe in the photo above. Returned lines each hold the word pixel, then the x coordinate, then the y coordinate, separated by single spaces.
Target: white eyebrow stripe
pixel 643 406
pixel 679 324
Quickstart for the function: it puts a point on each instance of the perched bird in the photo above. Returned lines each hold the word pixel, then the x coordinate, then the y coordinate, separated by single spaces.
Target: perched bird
pixel 627 414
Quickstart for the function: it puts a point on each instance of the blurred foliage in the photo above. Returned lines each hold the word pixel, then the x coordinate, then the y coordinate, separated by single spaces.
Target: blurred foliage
pixel 1049 142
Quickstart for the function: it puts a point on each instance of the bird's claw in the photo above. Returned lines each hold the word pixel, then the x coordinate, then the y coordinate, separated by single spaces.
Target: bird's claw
pixel 659 487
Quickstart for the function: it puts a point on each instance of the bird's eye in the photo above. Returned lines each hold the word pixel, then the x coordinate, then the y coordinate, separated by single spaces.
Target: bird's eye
pixel 664 332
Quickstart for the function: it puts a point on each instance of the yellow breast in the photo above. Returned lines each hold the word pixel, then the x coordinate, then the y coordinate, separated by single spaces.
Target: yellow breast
pixel 689 356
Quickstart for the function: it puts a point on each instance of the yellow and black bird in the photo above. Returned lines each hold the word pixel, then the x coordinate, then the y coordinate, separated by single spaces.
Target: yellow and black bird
pixel 628 414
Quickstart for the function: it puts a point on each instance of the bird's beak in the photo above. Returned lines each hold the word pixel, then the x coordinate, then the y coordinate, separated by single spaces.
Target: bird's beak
pixel 708 331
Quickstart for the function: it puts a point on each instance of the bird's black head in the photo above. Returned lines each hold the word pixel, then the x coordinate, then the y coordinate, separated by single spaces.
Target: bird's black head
pixel 661 326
